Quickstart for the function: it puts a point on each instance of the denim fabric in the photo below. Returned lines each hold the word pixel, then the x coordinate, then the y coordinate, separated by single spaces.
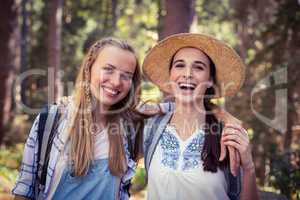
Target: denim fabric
pixel 98 184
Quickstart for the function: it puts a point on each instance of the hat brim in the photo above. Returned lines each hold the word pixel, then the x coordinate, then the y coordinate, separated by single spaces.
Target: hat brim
pixel 230 69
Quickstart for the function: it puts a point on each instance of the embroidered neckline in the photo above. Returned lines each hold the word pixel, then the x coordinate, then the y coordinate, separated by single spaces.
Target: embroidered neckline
pixel 171 128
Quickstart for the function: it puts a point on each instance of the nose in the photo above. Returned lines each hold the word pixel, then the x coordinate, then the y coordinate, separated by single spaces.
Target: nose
pixel 116 80
pixel 188 72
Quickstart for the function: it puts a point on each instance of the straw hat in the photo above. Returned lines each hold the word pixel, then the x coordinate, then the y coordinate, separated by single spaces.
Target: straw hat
pixel 230 69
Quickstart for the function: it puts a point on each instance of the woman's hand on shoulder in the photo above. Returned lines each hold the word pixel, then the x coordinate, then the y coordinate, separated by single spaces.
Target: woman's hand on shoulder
pixel 234 156
pixel 237 137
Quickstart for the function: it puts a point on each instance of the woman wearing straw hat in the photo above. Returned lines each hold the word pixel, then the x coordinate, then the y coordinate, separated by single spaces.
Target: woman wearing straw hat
pixel 182 147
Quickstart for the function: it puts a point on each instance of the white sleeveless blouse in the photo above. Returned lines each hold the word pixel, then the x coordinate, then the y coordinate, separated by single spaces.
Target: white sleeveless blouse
pixel 176 170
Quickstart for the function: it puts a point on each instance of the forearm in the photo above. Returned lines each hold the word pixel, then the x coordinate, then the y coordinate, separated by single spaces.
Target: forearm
pixel 155 108
pixel 224 116
pixel 18 197
pixel 249 187
pixel 24 188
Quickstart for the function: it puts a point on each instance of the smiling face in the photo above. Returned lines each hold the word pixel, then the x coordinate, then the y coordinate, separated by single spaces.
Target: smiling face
pixel 112 75
pixel 190 74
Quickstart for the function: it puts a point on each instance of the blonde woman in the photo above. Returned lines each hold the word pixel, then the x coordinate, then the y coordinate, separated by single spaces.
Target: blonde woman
pixel 183 147
pixel 90 156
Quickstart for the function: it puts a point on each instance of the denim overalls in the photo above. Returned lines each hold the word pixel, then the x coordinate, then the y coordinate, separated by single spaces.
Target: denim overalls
pixel 99 183
pixel 92 186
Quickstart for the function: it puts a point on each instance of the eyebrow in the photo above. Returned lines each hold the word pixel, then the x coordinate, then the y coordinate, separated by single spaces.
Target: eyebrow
pixel 176 61
pixel 114 67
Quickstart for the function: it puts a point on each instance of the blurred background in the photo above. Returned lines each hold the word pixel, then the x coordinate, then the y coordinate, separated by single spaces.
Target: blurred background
pixel 42 44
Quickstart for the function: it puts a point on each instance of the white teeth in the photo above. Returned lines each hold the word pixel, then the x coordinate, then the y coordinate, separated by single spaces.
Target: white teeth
pixel 187 85
pixel 111 91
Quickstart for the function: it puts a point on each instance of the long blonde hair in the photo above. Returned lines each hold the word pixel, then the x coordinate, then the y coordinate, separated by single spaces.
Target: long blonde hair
pixel 82 144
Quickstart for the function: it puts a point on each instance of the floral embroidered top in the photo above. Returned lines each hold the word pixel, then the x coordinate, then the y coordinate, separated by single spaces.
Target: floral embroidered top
pixel 176 170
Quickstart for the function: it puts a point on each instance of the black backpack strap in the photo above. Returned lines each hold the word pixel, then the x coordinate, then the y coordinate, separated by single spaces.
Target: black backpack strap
pixel 48 118
pixel 40 134
pixel 41 128
pixel 48 149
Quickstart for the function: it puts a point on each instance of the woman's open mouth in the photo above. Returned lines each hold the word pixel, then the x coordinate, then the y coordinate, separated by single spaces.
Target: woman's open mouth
pixel 187 86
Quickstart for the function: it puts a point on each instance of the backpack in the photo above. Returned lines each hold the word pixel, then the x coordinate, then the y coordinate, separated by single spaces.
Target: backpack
pixel 48 120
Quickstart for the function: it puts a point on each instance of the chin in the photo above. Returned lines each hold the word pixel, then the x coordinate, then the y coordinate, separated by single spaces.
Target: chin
pixel 185 99
pixel 109 103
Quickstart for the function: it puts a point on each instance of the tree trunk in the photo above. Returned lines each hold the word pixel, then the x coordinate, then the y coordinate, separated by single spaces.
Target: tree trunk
pixel 24 51
pixel 54 50
pixel 114 14
pixel 179 17
pixel 160 17
pixel 9 59
pixel 293 85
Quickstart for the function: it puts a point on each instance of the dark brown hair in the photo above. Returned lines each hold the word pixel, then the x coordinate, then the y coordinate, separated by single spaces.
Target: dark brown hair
pixel 212 147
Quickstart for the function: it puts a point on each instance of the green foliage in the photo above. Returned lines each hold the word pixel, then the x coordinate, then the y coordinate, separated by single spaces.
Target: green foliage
pixel 138 182
pixel 10 161
pixel 150 92
pixel 265 41
pixel 285 172
pixel 214 18
pixel 138 24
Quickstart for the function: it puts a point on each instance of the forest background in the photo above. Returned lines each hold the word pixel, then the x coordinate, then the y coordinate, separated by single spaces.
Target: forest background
pixel 42 44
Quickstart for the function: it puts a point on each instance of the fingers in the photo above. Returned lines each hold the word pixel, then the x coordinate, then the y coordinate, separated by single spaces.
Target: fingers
pixel 223 151
pixel 233 143
pixel 244 152
pixel 232 160
pixel 237 138
pixel 239 131
pixel 238 160
pixel 236 133
pixel 241 145
pixel 235 128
